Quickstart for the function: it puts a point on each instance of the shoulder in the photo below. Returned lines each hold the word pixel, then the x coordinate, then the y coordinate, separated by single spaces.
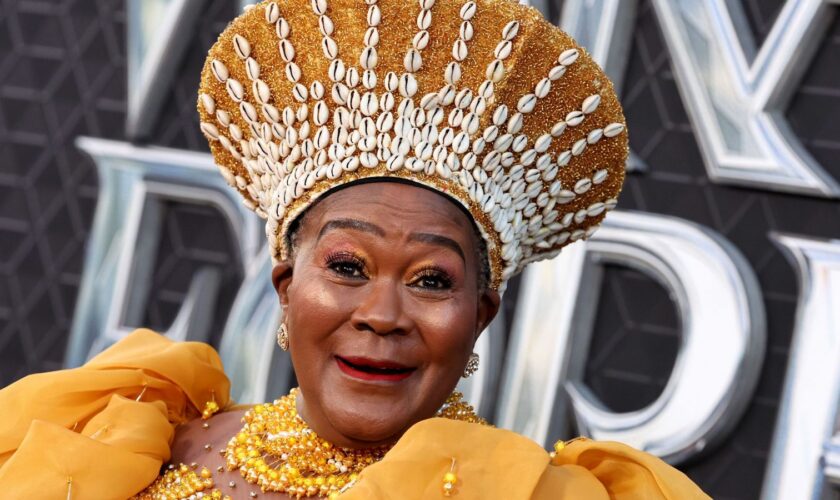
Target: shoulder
pixel 496 463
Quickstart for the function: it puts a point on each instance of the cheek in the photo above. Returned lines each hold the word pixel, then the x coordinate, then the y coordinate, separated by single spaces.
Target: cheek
pixel 448 330
pixel 315 309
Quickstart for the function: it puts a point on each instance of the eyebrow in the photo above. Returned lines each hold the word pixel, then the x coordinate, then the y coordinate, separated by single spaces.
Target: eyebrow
pixel 367 227
pixel 354 224
pixel 436 239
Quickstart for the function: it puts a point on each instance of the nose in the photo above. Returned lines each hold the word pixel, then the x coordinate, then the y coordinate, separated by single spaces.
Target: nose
pixel 381 310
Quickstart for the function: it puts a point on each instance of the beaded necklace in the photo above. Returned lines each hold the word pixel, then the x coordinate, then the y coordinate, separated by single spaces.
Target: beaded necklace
pixel 277 451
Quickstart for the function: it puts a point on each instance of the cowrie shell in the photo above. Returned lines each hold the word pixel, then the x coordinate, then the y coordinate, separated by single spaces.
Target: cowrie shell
pixel 568 57
pixel 556 72
pixel 424 19
pixel 495 70
pixel 564 196
pixel 326 25
pixel 369 79
pixel 330 48
pixel 600 176
pixel 272 13
pixel 241 47
pixel 542 88
pixel 503 49
pixel 510 30
pixel 466 31
pixel 526 103
pixel 515 123
pixel 574 118
pixel 287 51
pixel 299 92
pixel 412 60
pixel 452 73
pixel 261 91
pixel 234 88
pixel 613 129
pixel 564 158
pixel 500 115
pixel 486 90
pixel 283 29
pixel 520 142
pixel 319 6
pixel 208 103
pixel 528 157
pixel 352 77
pixel 252 67
pixel 373 16
pixel 468 11
pixel 248 111
pixel 578 147
pixel 583 185
pixel 542 143
pixel 595 209
pixel 594 136
pixel 421 40
pixel 293 72
pixel 220 71
pixel 336 70
pixel 210 130
pixel 590 104
pixel 369 58
pixel 408 85
pixel 558 129
pixel 371 37
pixel 459 50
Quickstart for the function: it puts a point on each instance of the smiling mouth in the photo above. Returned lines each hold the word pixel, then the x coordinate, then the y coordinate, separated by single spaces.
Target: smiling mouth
pixel 367 369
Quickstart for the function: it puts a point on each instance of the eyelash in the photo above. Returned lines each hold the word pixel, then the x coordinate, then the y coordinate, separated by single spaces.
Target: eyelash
pixel 334 260
pixel 435 272
pixel 337 260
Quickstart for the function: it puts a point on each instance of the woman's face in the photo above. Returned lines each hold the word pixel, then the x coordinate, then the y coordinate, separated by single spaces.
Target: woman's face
pixel 383 308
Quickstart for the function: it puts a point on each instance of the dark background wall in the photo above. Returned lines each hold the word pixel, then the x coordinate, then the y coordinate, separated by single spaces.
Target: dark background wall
pixel 63 74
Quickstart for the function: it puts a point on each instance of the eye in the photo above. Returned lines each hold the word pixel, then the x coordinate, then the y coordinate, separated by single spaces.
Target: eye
pixel 346 265
pixel 432 278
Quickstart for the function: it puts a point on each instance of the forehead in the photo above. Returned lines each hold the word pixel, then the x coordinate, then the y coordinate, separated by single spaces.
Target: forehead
pixel 395 207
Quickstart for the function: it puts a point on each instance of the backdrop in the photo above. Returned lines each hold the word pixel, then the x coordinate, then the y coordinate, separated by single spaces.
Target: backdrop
pixel 64 69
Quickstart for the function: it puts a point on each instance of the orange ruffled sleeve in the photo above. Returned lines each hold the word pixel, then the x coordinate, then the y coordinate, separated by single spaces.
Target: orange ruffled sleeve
pixel 103 430
pixel 495 463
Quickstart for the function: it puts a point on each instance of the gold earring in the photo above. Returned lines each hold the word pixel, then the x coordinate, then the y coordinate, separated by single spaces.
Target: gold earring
pixel 283 337
pixel 472 365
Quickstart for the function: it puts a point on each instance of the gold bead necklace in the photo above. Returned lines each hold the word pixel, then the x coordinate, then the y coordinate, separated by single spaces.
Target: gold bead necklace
pixel 277 451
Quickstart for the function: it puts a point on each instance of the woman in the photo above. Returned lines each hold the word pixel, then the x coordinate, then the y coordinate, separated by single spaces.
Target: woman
pixel 400 193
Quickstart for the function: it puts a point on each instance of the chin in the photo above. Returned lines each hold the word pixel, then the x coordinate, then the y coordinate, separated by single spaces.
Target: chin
pixel 372 420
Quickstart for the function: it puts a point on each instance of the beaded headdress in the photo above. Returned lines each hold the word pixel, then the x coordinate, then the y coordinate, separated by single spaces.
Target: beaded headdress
pixel 483 101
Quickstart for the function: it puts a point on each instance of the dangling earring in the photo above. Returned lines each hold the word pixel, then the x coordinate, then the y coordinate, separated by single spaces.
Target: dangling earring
pixel 472 365
pixel 283 337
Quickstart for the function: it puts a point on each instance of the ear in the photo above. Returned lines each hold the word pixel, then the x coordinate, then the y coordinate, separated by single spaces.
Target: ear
pixel 488 306
pixel 281 278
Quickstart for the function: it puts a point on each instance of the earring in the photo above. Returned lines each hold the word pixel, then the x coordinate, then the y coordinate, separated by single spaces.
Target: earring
pixel 472 365
pixel 283 337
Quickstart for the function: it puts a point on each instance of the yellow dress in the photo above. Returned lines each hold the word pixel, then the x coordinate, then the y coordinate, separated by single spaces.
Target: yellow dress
pixel 103 431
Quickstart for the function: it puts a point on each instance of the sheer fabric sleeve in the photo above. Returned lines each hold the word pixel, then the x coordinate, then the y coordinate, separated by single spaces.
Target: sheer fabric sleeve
pixel 103 430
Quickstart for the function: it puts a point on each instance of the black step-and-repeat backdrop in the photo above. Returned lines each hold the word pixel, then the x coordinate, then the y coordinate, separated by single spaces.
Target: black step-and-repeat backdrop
pixel 64 69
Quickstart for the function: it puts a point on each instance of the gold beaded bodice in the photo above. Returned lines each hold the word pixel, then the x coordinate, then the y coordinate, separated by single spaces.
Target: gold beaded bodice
pixel 275 451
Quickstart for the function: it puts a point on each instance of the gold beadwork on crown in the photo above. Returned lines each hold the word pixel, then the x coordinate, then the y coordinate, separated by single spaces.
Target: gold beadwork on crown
pixel 483 100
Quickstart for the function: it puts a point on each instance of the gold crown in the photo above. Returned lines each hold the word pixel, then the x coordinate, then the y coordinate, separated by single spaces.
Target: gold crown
pixel 483 101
